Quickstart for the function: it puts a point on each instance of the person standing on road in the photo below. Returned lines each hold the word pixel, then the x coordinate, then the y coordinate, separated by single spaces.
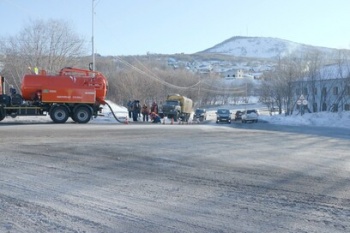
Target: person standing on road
pixel 154 107
pixel 129 105
pixel 136 110
pixel 145 112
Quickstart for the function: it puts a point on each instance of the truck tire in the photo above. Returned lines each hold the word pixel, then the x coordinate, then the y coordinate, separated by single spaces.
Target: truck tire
pixel 82 114
pixel 2 113
pixel 188 117
pixel 176 117
pixel 59 114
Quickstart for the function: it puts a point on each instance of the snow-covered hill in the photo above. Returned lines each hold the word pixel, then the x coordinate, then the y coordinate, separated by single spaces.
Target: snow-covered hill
pixel 263 47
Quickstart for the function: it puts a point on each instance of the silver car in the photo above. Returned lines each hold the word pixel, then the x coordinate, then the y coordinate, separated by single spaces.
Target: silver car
pixel 251 115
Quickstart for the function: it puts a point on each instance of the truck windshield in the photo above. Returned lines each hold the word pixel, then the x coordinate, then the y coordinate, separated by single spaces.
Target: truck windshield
pixel 172 102
pixel 223 111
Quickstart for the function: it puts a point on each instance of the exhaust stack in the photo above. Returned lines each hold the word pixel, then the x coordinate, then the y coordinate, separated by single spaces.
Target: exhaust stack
pixel 2 87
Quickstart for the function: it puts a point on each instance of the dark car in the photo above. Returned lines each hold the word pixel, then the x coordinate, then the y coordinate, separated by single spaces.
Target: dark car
pixel 200 114
pixel 223 115
pixel 238 115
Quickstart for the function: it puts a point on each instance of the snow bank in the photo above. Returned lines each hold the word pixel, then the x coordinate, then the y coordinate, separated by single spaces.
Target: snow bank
pixel 341 119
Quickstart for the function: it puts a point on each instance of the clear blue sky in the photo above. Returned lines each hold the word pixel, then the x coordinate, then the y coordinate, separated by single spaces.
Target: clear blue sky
pixel 135 27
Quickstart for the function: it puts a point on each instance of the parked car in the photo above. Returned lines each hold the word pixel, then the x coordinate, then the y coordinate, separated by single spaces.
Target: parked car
pixel 238 115
pixel 250 115
pixel 223 115
pixel 200 114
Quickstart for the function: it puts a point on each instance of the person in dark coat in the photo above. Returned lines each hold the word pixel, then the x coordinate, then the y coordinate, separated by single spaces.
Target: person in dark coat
pixel 129 105
pixel 136 110
pixel 13 90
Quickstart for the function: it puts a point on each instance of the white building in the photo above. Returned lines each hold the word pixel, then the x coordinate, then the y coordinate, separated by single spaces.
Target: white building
pixel 328 90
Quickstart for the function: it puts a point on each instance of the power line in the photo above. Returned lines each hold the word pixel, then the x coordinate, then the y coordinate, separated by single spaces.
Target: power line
pixel 234 89
pixel 154 77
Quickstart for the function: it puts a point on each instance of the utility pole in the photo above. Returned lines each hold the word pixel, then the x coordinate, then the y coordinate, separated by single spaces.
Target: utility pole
pixel 246 95
pixel 92 38
pixel 199 93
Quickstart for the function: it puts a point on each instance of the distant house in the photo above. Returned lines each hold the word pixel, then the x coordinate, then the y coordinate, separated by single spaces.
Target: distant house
pixel 327 90
pixel 205 68
pixel 172 61
pixel 234 74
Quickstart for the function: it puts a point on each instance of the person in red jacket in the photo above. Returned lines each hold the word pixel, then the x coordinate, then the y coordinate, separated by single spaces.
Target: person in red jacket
pixel 154 107
pixel 155 118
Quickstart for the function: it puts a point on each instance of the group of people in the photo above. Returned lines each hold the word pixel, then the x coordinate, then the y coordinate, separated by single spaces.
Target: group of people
pixel 135 110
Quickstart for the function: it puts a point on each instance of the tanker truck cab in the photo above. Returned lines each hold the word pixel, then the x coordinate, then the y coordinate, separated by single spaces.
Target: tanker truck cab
pixel 75 93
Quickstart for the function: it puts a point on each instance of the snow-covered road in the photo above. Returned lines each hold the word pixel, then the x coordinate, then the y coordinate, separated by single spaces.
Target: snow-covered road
pixel 172 178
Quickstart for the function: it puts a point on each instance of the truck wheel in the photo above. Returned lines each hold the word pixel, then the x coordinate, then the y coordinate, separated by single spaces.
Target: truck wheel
pixel 2 113
pixel 59 114
pixel 82 114
pixel 188 117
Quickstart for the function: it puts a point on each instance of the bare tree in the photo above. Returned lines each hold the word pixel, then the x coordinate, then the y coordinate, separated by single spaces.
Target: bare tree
pixel 49 45
pixel 315 62
pixel 278 84
pixel 343 84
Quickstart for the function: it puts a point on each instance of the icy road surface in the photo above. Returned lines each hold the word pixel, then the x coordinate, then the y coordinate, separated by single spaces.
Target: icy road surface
pixel 173 178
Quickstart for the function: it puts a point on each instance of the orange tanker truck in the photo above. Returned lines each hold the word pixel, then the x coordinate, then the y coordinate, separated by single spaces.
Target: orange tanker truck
pixel 75 93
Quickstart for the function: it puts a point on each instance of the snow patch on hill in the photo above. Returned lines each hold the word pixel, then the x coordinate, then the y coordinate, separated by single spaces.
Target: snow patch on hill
pixel 263 47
